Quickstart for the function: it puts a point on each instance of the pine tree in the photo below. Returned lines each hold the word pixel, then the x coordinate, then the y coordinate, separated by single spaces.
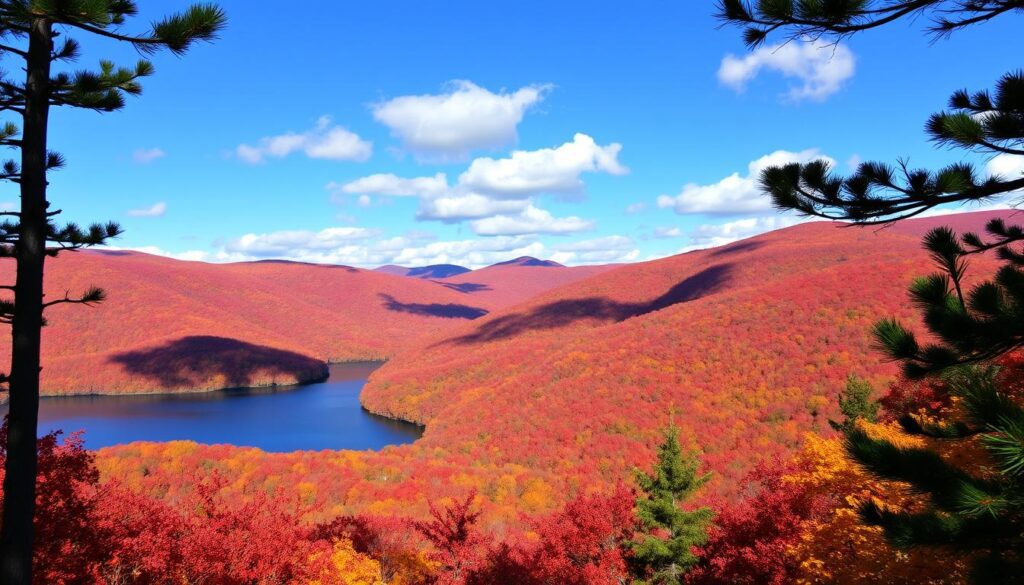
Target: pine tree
pixel 31 32
pixel 856 404
pixel 660 558
pixel 977 512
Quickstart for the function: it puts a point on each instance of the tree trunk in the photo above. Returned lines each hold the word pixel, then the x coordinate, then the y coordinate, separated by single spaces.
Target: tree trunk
pixel 20 479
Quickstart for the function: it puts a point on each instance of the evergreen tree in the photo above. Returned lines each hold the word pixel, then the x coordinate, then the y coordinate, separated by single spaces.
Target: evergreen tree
pixel 978 512
pixel 660 558
pixel 34 35
pixel 856 404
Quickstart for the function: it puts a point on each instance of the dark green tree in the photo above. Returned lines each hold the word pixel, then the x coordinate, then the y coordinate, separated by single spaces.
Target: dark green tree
pixel 856 403
pixel 981 514
pixel 34 42
pixel 666 559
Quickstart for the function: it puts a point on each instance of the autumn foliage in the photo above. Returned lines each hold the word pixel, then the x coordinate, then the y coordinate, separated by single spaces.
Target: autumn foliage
pixel 171 325
pixel 537 416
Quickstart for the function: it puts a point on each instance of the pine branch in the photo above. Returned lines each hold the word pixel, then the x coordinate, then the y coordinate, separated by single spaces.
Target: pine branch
pixel 90 297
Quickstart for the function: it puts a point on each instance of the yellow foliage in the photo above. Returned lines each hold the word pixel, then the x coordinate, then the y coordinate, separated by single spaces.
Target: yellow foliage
pixel 349 567
pixel 841 548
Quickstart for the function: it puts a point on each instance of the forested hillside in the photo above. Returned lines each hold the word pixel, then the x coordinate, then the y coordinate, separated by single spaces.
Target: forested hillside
pixel 745 347
pixel 174 325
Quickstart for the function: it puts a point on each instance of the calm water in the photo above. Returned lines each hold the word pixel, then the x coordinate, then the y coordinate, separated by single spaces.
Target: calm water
pixel 326 415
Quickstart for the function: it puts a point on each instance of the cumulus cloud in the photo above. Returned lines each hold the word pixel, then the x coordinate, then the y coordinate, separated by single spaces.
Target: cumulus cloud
pixel 547 170
pixel 285 243
pixel 1007 166
pixel 463 118
pixel 603 250
pixel 530 220
pixel 471 253
pixel 458 206
pixel 394 186
pixel 498 195
pixel 156 210
pixel 720 234
pixel 735 194
pixel 819 68
pixel 145 156
pixel 323 141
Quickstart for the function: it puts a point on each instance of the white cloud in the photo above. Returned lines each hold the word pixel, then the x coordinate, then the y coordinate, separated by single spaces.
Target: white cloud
pixel 736 194
pixel 636 207
pixel 156 210
pixel 821 68
pixel 285 243
pixel 531 220
pixel 470 253
pixel 604 250
pixel 502 191
pixel 667 232
pixel 147 155
pixel 464 118
pixel 394 186
pixel 1007 166
pixel 712 235
pixel 463 206
pixel 547 170
pixel 323 141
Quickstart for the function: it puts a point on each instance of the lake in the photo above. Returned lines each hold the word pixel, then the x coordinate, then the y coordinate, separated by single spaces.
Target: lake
pixel 325 415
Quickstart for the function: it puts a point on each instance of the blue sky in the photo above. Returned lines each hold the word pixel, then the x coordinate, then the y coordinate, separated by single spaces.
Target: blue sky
pixel 410 132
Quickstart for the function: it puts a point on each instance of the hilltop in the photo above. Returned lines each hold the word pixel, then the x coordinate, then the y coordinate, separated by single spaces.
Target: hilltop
pixel 177 325
pixel 431 271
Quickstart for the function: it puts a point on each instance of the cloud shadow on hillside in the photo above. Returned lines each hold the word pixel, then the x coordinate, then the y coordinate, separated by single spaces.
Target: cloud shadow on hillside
pixel 446 311
pixel 562 313
pixel 193 361
pixel 745 246
pixel 464 287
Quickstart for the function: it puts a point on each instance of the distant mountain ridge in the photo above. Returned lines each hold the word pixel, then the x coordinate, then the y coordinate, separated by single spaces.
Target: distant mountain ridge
pixel 530 261
pixel 427 272
pixel 434 271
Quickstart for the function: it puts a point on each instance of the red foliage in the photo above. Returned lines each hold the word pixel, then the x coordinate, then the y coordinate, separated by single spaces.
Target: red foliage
pixel 150 333
pixel 460 548
pixel 207 539
pixel 579 545
pixel 582 544
pixel 752 541
pixel 67 542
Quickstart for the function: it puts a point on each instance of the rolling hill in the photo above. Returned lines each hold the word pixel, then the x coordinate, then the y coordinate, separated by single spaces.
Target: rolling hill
pixel 175 325
pixel 744 347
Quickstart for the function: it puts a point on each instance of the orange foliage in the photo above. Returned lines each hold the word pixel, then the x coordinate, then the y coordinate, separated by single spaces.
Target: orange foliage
pixel 841 548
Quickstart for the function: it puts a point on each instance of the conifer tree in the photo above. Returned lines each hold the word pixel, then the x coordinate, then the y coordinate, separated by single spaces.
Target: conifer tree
pixel 856 403
pixel 982 513
pixel 34 42
pixel 659 558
